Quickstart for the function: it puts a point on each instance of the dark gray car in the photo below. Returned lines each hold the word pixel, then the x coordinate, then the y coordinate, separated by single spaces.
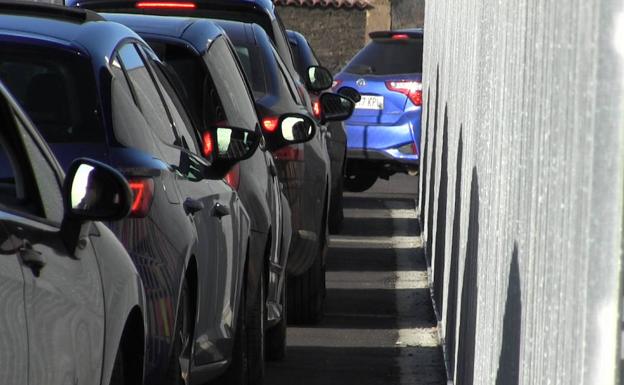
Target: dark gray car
pixel 72 301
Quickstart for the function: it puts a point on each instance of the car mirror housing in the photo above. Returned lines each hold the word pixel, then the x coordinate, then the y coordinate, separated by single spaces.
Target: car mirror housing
pixel 318 79
pixel 225 146
pixel 335 107
pixel 95 191
pixel 292 129
pixel 350 93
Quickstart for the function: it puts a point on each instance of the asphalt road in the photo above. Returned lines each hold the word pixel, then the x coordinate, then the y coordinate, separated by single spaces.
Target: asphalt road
pixel 379 327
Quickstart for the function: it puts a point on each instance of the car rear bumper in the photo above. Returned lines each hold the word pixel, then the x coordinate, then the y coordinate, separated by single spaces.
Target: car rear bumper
pixel 382 156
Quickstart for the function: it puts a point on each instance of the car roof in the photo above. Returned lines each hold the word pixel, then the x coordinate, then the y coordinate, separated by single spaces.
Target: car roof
pixel 45 25
pixel 267 5
pixel 193 31
pixel 295 37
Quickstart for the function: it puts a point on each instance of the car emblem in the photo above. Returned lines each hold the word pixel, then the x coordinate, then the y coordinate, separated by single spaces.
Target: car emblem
pixel 360 82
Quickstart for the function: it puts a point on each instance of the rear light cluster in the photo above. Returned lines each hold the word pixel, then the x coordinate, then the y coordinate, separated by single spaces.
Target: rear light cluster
pixel 164 5
pixel 409 149
pixel 400 36
pixel 208 145
pixel 336 83
pixel 316 109
pixel 270 124
pixel 412 89
pixel 232 178
pixel 143 194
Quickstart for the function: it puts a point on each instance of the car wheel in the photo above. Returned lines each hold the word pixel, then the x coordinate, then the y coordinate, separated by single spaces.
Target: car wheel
pixel 359 182
pixel 336 211
pixel 180 360
pixel 275 341
pixel 238 371
pixel 305 293
pixel 255 332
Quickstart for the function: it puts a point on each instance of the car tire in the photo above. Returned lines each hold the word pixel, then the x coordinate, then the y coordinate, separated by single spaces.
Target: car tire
pixel 255 332
pixel 359 182
pixel 275 340
pixel 181 353
pixel 306 292
pixel 237 372
pixel 336 210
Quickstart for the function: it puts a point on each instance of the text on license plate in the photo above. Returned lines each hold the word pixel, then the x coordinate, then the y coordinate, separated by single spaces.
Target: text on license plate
pixel 371 102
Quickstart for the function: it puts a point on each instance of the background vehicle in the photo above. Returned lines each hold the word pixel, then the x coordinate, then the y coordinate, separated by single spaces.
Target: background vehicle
pixel 94 88
pixel 73 303
pixel 336 136
pixel 215 89
pixel 303 168
pixel 383 135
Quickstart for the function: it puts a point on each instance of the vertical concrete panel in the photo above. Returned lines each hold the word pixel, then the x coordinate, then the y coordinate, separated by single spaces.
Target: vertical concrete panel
pixel 523 143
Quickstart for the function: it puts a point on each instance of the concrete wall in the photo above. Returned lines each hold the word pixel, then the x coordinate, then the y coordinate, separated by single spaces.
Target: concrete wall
pixel 334 34
pixel 521 187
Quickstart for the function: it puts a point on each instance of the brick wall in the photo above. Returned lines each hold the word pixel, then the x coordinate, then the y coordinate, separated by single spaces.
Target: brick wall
pixel 334 34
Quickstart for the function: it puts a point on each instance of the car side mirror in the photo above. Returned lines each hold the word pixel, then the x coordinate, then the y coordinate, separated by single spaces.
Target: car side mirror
pixel 318 79
pixel 291 129
pixel 94 191
pixel 226 146
pixel 350 93
pixel 335 107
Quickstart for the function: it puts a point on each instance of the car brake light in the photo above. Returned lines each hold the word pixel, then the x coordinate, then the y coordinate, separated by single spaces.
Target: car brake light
pixel 143 194
pixel 232 178
pixel 208 145
pixel 270 124
pixel 289 153
pixel 316 108
pixel 412 89
pixel 400 36
pixel 164 5
pixel 336 83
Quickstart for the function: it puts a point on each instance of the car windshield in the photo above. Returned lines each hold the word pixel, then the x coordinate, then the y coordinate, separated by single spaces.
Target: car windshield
pixel 56 89
pixel 388 57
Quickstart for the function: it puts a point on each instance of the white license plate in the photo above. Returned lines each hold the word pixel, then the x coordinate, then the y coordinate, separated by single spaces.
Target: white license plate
pixel 371 102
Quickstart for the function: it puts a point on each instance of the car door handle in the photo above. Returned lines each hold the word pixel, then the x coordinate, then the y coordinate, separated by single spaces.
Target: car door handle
pixel 191 206
pixel 219 210
pixel 32 258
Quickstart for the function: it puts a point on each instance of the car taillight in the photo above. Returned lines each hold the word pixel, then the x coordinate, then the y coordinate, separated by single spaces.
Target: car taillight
pixel 409 149
pixel 412 89
pixel 400 36
pixel 336 83
pixel 143 194
pixel 164 5
pixel 208 145
pixel 232 178
pixel 289 153
pixel 316 108
pixel 270 124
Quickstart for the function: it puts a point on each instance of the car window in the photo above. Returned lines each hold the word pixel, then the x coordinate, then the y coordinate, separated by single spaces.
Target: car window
pixel 254 72
pixel 230 86
pixel 146 93
pixel 56 89
pixel 26 175
pixel 285 75
pixel 179 115
pixel 130 126
pixel 388 57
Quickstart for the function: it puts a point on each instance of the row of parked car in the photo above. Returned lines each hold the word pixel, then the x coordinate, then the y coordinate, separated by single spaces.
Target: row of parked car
pixel 169 176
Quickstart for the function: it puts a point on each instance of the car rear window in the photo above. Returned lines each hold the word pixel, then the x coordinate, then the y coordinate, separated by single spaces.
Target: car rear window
pixel 56 89
pixel 388 57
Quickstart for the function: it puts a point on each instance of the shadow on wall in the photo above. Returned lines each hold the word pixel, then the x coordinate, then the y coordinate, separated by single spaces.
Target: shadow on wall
pixel 509 360
pixel 470 291
pixel 440 238
pixel 432 169
pixel 451 313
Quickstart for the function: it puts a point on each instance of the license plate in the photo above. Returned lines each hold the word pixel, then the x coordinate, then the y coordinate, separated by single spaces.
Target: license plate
pixel 371 102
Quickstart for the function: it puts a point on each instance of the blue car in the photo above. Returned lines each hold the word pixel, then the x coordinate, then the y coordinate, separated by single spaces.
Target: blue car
pixel 383 134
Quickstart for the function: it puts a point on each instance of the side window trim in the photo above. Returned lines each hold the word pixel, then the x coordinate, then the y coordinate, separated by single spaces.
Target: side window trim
pixel 127 79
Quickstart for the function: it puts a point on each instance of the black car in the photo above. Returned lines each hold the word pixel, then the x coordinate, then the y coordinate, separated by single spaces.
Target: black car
pixel 94 88
pixel 73 306
pixel 215 90
pixel 336 135
pixel 303 168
